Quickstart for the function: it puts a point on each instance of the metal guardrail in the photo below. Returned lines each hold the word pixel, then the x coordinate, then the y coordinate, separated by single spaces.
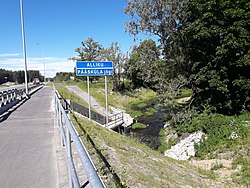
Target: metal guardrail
pixel 11 95
pixel 68 134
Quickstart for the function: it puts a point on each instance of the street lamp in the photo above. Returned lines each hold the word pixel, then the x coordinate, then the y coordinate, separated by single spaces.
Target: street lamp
pixel 24 49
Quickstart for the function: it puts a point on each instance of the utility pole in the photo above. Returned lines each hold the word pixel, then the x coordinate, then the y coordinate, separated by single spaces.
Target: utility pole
pixel 24 49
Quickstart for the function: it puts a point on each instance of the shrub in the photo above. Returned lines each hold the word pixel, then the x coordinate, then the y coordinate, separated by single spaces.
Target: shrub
pixel 218 129
pixel 138 126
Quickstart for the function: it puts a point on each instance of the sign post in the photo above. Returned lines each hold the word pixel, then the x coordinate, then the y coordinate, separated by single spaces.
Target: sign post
pixel 91 68
pixel 106 93
pixel 89 98
pixel 94 68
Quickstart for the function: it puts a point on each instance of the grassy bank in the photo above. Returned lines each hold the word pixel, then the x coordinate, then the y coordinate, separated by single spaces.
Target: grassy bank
pixel 66 94
pixel 136 103
pixel 134 163
pixel 226 137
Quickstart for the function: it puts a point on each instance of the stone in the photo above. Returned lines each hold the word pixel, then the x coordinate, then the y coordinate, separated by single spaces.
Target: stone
pixel 166 125
pixel 185 148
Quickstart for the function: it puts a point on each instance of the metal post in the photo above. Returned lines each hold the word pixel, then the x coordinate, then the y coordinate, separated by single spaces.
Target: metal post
pixel 44 69
pixel 89 98
pixel 106 93
pixel 69 155
pixel 61 127
pixel 24 48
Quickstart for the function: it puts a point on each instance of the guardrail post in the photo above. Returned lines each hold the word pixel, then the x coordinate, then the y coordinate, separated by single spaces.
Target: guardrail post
pixel 14 94
pixel 61 127
pixel 1 96
pixel 7 97
pixel 69 155
pixel 69 134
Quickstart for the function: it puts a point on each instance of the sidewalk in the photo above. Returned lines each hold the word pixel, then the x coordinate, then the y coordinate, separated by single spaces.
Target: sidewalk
pixel 27 149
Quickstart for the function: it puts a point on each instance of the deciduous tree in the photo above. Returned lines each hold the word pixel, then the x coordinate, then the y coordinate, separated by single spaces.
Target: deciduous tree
pixel 164 19
pixel 144 66
pixel 89 51
pixel 114 54
pixel 219 39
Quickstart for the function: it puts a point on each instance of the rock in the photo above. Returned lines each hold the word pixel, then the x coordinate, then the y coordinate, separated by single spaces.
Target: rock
pixel 166 125
pixel 128 120
pixel 233 136
pixel 171 136
pixel 191 150
pixel 185 148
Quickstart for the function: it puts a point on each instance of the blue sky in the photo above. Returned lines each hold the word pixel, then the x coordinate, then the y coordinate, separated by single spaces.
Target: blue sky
pixel 54 28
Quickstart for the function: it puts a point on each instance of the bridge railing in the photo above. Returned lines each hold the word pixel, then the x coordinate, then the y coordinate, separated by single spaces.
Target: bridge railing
pixel 68 134
pixel 11 95
pixel 115 118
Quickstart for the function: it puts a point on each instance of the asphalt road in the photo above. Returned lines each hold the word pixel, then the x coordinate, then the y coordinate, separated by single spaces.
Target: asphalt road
pixel 27 145
pixel 4 88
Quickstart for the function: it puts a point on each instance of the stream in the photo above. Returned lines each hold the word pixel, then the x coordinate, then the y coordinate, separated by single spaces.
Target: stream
pixel 150 134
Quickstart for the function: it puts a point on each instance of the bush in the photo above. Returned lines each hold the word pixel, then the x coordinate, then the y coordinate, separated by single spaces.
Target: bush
pixel 138 126
pixel 218 129
pixel 150 111
pixel 184 93
pixel 205 122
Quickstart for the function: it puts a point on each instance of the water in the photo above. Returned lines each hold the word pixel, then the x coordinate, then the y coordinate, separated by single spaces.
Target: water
pixel 150 135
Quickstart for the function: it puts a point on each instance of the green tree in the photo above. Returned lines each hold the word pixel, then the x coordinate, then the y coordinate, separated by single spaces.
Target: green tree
pixel 164 19
pixel 144 66
pixel 19 76
pixel 218 36
pixel 89 51
pixel 114 54
pixel 6 76
pixel 62 76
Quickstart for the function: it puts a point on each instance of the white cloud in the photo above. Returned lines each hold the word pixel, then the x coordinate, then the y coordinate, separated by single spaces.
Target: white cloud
pixel 52 65
pixel 9 55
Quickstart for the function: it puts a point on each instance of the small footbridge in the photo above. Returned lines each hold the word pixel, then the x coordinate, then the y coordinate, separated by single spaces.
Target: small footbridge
pixel 118 119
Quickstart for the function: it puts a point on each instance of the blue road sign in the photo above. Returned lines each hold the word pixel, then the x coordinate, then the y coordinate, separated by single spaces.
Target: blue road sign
pixel 91 68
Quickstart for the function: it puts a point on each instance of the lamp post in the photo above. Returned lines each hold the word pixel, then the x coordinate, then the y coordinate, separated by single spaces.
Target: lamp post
pixel 24 49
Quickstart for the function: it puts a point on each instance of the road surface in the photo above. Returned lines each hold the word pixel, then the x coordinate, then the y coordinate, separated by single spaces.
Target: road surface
pixel 21 86
pixel 27 145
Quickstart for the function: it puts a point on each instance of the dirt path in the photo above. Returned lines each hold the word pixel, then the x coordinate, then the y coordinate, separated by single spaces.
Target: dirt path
pixel 84 95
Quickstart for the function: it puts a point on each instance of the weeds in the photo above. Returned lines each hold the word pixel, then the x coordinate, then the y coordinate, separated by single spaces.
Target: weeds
pixel 216 166
pixel 138 126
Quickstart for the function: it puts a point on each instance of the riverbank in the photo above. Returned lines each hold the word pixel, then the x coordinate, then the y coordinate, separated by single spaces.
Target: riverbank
pixel 136 164
pixel 143 106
